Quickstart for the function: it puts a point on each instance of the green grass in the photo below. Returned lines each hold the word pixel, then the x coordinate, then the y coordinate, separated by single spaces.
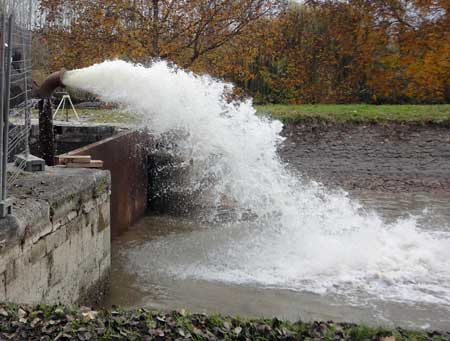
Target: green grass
pixel 359 113
pixel 106 116
pixel 96 116
pixel 353 113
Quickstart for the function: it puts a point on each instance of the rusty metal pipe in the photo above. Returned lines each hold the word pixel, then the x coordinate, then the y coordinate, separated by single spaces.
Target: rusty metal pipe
pixel 46 132
pixel 52 82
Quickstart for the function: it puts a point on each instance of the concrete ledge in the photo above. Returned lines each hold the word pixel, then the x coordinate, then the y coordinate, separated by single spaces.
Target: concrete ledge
pixel 56 246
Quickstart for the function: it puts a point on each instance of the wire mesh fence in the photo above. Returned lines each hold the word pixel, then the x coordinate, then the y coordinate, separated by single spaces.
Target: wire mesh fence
pixel 15 92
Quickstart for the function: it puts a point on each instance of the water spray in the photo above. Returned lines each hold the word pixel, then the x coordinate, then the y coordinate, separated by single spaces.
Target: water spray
pixel 304 237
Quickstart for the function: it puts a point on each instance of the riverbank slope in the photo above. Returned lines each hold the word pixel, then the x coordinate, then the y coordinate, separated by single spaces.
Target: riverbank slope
pixel 62 323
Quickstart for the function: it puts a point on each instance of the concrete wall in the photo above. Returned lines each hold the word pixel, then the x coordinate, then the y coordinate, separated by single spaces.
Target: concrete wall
pixel 73 135
pixel 126 157
pixel 56 246
pixel 70 135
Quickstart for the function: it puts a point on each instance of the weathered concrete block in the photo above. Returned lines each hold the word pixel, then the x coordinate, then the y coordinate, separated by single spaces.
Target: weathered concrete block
pixel 29 282
pixel 14 252
pixel 3 286
pixel 11 273
pixel 32 163
pixel 59 268
pixel 57 238
pixel 37 252
pixel 104 266
pixel 57 247
pixel 104 217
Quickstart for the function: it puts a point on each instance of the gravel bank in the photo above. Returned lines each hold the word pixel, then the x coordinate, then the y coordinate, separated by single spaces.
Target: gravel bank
pixel 387 158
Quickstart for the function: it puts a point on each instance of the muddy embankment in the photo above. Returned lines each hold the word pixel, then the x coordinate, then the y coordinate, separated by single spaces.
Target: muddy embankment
pixel 386 157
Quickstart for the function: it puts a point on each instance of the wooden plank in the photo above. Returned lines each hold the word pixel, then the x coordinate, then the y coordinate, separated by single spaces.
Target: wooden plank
pixel 92 164
pixel 74 158
pixel 71 157
pixel 83 165
pixel 97 162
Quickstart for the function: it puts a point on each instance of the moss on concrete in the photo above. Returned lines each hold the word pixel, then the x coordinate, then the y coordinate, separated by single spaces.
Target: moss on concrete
pixel 102 185
pixel 102 222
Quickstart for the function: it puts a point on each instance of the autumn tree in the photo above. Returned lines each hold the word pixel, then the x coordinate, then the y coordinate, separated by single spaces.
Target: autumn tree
pixel 304 55
pixel 319 51
pixel 374 51
pixel 84 31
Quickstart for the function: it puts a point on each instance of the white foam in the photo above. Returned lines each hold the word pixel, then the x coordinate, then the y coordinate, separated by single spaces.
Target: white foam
pixel 304 238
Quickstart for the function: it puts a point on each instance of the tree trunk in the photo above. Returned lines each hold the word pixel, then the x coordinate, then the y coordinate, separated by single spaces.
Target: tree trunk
pixel 155 20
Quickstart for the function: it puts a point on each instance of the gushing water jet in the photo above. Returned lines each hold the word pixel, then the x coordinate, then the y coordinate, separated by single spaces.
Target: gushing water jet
pixel 303 237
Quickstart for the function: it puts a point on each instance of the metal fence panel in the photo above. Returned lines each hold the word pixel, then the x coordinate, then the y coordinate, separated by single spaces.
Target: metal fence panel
pixel 15 92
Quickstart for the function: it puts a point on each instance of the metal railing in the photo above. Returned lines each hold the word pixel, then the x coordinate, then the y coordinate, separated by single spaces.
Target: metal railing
pixel 15 94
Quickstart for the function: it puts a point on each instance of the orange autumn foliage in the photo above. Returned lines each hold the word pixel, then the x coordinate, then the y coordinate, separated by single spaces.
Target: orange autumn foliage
pixel 323 51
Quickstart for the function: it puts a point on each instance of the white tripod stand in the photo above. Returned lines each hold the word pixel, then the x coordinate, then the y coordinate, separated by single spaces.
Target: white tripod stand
pixel 62 106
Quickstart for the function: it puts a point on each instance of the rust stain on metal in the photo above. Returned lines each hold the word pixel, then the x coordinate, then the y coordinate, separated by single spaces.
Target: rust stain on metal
pixel 50 84
pixel 125 156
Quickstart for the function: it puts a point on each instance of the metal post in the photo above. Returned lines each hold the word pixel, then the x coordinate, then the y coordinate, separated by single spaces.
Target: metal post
pixel 46 134
pixel 2 103
pixel 27 123
pixel 5 204
pixel 28 109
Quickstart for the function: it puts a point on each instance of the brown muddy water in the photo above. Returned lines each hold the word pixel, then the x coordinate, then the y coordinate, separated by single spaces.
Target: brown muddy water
pixel 131 287
pixel 141 281
pixel 398 173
